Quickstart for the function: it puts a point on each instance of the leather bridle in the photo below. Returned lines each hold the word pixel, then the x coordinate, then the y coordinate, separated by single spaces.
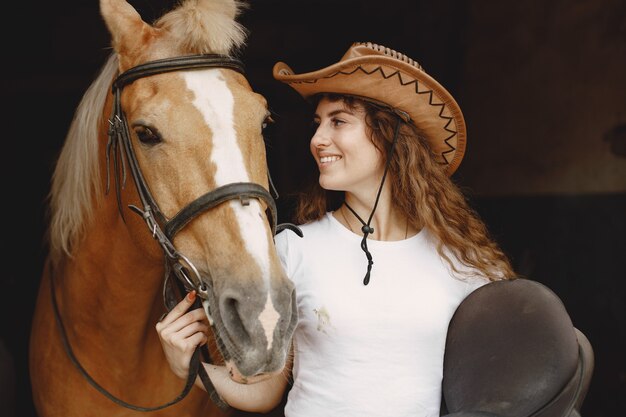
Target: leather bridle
pixel 163 229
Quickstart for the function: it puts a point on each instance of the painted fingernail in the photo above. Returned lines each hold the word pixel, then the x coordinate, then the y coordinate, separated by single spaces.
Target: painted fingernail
pixel 192 295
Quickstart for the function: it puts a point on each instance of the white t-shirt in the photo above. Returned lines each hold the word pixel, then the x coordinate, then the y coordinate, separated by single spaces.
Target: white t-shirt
pixel 368 350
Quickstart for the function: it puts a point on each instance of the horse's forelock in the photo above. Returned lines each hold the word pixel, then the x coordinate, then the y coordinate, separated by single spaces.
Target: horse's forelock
pixel 76 179
pixel 205 26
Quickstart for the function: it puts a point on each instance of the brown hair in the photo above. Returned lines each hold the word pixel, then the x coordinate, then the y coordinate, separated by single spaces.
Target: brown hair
pixel 422 191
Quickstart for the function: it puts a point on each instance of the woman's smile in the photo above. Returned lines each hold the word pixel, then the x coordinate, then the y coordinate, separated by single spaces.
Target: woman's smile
pixel 326 160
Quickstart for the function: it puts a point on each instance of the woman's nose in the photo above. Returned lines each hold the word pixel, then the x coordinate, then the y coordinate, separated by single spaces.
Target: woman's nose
pixel 319 138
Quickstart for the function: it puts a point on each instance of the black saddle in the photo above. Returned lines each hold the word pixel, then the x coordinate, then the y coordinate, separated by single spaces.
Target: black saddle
pixel 512 351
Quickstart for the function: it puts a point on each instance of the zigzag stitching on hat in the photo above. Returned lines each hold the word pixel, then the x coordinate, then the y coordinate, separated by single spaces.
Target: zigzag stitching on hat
pixel 397 73
pixel 441 116
pixel 430 102
pixel 452 134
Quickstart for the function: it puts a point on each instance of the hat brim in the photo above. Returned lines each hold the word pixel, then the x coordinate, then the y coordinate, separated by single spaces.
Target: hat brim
pixel 398 84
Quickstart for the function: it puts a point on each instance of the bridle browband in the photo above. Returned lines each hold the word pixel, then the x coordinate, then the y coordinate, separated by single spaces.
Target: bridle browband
pixel 163 229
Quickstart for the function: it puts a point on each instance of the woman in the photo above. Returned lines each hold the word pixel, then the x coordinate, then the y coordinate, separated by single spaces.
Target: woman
pixel 390 247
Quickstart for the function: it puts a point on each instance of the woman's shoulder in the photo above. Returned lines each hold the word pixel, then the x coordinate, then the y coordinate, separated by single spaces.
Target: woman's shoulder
pixel 471 276
pixel 313 227
pixel 313 232
pixel 292 248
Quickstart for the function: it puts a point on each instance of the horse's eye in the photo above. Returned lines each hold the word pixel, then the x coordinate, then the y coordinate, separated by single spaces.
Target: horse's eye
pixel 268 121
pixel 267 129
pixel 147 135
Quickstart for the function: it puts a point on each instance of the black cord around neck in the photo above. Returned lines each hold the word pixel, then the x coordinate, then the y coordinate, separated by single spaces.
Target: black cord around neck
pixel 366 228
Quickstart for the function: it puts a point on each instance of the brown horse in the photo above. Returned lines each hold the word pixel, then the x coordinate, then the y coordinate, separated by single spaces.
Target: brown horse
pixel 182 128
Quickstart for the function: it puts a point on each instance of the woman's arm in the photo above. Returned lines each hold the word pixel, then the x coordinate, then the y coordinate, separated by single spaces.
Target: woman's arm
pixel 180 333
pixel 260 397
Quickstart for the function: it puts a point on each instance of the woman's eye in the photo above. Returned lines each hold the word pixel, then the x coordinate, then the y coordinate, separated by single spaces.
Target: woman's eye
pixel 147 135
pixel 337 122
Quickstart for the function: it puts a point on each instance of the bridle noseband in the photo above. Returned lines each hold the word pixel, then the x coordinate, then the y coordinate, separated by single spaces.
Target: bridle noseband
pixel 163 229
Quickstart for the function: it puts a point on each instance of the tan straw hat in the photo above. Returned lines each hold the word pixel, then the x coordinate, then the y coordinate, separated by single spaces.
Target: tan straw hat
pixel 374 72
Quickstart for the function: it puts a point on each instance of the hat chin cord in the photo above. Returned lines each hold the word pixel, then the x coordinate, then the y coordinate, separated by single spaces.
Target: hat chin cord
pixel 366 228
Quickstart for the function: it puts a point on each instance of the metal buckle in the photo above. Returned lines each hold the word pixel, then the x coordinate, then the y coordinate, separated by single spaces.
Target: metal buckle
pixel 182 271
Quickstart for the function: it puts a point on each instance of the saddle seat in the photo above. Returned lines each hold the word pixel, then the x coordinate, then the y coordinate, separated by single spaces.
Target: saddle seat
pixel 512 351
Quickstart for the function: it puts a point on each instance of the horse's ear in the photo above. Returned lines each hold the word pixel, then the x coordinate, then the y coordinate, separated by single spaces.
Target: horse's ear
pixel 128 31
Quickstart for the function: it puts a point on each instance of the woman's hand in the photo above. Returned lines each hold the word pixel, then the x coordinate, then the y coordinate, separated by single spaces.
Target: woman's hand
pixel 180 333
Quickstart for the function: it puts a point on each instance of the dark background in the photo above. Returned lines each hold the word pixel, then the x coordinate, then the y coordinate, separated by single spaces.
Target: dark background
pixel 540 82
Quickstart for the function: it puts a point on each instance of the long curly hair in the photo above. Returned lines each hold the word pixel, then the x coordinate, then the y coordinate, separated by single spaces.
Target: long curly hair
pixel 422 191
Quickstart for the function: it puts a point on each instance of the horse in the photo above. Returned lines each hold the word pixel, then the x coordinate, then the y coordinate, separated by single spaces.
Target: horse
pixel 172 109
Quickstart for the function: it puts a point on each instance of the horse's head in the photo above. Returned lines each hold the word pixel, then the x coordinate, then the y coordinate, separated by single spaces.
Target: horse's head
pixel 193 130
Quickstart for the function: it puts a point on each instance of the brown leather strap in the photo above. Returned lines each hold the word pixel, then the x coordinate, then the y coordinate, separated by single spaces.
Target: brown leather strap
pixel 194 364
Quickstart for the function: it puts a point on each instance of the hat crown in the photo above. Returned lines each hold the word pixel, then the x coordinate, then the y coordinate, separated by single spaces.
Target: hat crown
pixel 360 49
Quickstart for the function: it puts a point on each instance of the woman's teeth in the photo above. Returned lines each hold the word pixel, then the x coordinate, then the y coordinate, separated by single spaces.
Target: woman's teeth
pixel 326 159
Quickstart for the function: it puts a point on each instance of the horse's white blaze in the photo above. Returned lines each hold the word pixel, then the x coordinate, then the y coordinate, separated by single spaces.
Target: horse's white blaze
pixel 215 102
pixel 269 318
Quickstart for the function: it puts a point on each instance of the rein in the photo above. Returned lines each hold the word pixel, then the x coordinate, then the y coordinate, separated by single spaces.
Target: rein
pixel 162 229
pixel 194 365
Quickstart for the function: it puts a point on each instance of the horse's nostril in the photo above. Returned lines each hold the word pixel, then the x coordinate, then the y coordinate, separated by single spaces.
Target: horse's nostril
pixel 233 319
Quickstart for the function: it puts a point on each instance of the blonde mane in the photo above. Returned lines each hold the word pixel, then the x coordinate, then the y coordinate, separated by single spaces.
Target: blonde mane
pixel 196 27
pixel 76 184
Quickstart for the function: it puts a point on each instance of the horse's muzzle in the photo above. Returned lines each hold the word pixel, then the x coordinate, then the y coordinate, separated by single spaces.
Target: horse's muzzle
pixel 253 328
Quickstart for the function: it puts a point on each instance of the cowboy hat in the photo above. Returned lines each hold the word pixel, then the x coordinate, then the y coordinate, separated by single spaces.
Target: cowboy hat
pixel 374 72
